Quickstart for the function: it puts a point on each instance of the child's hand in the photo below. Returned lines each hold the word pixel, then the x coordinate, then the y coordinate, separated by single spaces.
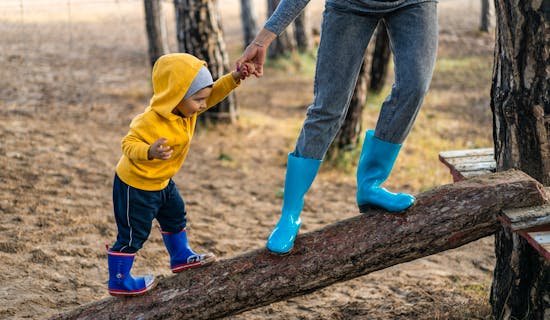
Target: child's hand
pixel 158 151
pixel 246 70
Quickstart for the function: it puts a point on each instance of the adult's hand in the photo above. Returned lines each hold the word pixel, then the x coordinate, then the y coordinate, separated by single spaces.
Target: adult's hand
pixel 256 51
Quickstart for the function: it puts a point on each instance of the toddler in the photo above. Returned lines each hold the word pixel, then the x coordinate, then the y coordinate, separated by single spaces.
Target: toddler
pixel 153 151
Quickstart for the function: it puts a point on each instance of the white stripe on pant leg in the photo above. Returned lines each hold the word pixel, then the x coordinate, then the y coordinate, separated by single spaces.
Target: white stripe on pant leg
pixel 128 216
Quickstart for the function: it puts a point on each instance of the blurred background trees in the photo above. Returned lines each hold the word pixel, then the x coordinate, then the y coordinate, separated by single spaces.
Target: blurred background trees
pixel 155 26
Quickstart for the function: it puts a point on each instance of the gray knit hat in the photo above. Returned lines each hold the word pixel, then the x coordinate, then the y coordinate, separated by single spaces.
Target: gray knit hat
pixel 201 81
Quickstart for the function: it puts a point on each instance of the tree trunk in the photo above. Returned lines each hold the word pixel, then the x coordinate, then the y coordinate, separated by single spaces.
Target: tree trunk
pixel 521 90
pixel 380 58
pixel 485 21
pixel 521 288
pixel 156 30
pixel 520 98
pixel 248 17
pixel 199 33
pixel 284 44
pixel 444 218
pixel 350 133
pixel 302 32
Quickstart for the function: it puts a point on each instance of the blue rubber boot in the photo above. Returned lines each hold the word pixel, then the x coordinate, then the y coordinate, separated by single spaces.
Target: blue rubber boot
pixel 300 173
pixel 375 165
pixel 181 256
pixel 121 281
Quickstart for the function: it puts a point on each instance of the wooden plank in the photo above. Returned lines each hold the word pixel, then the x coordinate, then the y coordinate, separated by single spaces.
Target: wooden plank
pixel 540 241
pixel 532 223
pixel 465 164
pixel 525 218
pixel 475 166
pixel 467 153
pixel 474 159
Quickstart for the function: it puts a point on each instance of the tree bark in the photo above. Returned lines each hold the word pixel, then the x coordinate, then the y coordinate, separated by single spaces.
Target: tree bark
pixel 248 18
pixel 520 98
pixel 156 31
pixel 380 58
pixel 521 289
pixel 521 89
pixel 199 33
pixel 284 44
pixel 444 218
pixel 302 32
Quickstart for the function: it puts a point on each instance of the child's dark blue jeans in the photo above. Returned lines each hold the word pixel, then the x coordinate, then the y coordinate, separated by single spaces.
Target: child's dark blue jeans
pixel 135 210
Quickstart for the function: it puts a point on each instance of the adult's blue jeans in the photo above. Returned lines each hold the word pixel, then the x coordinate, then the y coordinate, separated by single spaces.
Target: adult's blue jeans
pixel 345 34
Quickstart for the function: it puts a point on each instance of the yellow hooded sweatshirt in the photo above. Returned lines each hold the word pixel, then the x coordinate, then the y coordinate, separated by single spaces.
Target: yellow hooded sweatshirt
pixel 172 76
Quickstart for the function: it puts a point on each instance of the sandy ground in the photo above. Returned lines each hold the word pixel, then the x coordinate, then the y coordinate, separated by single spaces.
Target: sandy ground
pixel 74 73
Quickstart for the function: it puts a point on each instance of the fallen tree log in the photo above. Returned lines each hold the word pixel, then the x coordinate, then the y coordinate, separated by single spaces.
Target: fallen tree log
pixel 443 218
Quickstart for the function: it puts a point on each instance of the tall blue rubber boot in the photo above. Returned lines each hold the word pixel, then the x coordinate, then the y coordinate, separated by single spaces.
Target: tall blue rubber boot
pixel 300 173
pixel 375 165
pixel 181 256
pixel 121 281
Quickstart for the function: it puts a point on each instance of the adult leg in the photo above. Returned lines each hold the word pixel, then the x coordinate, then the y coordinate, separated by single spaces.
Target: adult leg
pixel 413 33
pixel 413 38
pixel 344 38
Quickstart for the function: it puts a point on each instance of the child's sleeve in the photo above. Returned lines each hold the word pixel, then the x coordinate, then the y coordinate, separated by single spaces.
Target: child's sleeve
pixel 134 145
pixel 220 89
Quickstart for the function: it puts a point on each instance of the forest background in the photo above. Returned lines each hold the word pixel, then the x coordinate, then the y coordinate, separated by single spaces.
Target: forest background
pixel 74 73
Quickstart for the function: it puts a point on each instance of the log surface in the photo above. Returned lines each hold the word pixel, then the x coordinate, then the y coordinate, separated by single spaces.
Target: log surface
pixel 443 218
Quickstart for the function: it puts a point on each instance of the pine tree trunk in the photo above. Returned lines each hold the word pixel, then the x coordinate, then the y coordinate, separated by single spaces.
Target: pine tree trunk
pixel 522 279
pixel 380 58
pixel 485 21
pixel 302 32
pixel 156 31
pixel 521 90
pixel 284 44
pixel 350 132
pixel 521 120
pixel 199 33
pixel 248 17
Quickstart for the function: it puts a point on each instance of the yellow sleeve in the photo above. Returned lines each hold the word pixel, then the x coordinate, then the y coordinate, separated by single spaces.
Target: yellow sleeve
pixel 134 145
pixel 221 89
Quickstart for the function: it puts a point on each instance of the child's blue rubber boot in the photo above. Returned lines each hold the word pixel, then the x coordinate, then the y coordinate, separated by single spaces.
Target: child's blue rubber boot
pixel 181 256
pixel 300 173
pixel 121 281
pixel 375 165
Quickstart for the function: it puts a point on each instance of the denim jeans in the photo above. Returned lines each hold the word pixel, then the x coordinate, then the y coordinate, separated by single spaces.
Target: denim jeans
pixel 135 210
pixel 345 34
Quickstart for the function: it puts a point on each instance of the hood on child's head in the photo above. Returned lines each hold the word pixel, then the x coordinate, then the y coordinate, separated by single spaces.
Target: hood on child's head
pixel 172 76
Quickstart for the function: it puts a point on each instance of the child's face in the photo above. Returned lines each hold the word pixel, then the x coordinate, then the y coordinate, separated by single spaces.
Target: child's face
pixel 194 103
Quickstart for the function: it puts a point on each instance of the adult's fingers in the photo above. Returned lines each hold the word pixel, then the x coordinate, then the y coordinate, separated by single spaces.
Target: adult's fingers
pixel 258 71
pixel 248 55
